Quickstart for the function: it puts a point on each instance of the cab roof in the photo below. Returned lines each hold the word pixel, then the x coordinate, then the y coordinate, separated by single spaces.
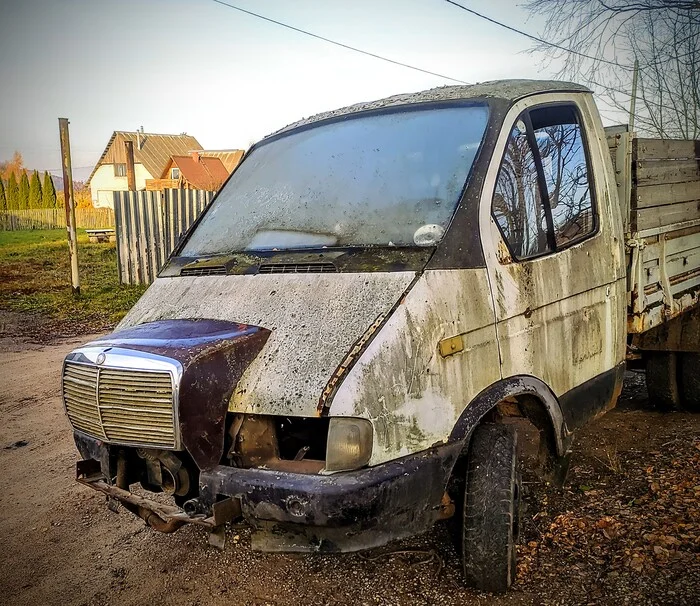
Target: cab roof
pixel 508 90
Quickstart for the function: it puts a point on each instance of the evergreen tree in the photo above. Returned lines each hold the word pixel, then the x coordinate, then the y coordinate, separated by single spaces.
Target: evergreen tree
pixel 3 200
pixel 49 192
pixel 35 193
pixel 24 191
pixel 12 193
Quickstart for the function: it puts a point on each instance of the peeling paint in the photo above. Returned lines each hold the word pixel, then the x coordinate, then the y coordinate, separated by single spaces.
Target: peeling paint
pixel 315 319
pixel 569 306
pixel 412 395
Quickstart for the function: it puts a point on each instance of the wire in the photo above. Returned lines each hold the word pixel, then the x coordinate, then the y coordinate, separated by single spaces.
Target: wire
pixel 609 89
pixel 340 44
pixel 536 38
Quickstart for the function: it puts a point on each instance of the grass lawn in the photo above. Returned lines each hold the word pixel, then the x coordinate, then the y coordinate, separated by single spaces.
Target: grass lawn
pixel 35 279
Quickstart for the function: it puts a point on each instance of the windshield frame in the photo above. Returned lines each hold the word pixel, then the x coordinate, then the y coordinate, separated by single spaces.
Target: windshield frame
pixel 393 109
pixel 495 107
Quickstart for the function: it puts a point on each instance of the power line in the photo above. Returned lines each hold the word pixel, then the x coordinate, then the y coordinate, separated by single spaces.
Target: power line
pixel 340 44
pixel 425 71
pixel 536 38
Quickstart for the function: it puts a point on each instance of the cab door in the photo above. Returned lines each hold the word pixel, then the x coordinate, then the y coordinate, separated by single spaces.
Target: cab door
pixel 554 260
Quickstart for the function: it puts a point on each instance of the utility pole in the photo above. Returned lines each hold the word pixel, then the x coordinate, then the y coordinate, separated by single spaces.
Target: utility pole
pixel 69 202
pixel 633 101
pixel 130 174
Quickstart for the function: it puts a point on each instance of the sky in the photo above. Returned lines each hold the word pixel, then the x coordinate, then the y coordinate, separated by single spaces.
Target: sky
pixel 225 77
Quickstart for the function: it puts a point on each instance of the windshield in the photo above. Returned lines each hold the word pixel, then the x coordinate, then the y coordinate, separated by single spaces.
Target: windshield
pixel 388 179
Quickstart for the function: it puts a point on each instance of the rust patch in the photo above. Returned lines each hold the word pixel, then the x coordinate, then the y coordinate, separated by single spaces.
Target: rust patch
pixel 330 388
pixel 213 355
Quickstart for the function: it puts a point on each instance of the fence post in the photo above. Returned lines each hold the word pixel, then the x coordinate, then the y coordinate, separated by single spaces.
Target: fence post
pixel 130 171
pixel 69 203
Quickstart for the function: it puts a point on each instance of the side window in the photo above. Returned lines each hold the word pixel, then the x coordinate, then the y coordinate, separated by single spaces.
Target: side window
pixel 517 202
pixel 542 201
pixel 558 135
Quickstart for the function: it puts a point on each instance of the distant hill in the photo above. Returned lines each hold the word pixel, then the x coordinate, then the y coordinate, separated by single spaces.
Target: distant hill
pixel 80 175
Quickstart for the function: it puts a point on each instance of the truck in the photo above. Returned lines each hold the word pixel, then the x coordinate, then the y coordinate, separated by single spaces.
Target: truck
pixel 342 349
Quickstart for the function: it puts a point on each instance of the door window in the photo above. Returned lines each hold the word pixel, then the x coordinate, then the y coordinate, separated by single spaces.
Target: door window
pixel 543 200
pixel 561 147
pixel 517 201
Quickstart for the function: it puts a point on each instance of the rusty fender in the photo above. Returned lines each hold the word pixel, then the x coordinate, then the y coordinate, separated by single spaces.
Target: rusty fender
pixel 213 355
pixel 487 400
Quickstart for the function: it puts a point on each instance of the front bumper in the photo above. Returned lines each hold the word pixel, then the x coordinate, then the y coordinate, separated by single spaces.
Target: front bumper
pixel 342 512
pixel 347 511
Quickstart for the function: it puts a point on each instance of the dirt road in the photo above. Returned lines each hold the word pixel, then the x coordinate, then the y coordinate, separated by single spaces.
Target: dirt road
pixel 626 530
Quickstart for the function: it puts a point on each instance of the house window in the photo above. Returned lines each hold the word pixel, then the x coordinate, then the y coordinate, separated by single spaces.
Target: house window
pixel 174 173
pixel 543 200
pixel 120 170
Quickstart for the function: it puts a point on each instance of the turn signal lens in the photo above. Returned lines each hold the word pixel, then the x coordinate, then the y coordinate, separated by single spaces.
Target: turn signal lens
pixel 349 443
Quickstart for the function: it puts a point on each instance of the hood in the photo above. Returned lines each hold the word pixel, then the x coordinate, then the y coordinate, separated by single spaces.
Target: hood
pixel 314 320
pixel 213 355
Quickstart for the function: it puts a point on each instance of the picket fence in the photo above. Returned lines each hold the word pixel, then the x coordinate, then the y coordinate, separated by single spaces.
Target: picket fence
pixel 55 218
pixel 149 225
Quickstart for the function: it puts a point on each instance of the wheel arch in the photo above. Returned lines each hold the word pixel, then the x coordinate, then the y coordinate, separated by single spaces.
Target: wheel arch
pixel 535 401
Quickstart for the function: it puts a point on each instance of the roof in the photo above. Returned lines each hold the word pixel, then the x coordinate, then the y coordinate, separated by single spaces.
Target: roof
pixel 230 157
pixel 509 90
pixel 202 173
pixel 154 153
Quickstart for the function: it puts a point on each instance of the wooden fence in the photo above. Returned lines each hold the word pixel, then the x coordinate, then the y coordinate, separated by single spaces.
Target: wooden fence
pixel 149 225
pixel 55 218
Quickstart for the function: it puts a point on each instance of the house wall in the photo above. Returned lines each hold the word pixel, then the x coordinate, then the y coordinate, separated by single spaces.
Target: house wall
pixel 104 182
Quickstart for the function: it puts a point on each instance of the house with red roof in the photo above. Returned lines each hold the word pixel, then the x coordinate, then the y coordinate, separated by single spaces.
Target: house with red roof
pixel 152 155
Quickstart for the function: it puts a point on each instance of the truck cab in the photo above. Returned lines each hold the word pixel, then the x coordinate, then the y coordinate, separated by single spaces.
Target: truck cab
pixel 333 351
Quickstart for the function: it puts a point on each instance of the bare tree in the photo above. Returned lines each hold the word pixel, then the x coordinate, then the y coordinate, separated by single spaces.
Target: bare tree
pixel 607 36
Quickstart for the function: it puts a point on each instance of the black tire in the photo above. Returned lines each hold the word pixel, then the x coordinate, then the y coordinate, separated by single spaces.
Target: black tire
pixel 690 382
pixel 491 515
pixel 662 380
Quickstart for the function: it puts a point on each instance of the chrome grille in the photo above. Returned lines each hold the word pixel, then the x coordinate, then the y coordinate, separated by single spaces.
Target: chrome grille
pixel 125 406
pixel 80 398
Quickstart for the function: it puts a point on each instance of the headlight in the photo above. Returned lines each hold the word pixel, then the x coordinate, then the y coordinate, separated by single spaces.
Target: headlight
pixel 349 443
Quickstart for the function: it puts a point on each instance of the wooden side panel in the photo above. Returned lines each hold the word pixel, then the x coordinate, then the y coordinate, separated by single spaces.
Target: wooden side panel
pixel 667 193
pixel 664 265
pixel 664 149
pixel 619 145
pixel 658 217
pixel 665 183
pixel 667 171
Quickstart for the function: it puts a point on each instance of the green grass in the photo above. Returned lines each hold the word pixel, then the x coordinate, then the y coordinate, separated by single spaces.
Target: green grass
pixel 35 279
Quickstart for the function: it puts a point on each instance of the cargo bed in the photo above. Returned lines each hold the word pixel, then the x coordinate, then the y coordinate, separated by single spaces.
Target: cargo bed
pixel 658 183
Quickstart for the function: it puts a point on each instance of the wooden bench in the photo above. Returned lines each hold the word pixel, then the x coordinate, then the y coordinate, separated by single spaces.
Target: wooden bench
pixel 101 235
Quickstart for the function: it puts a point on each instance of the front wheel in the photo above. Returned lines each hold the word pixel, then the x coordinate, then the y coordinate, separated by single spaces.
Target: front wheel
pixel 491 511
